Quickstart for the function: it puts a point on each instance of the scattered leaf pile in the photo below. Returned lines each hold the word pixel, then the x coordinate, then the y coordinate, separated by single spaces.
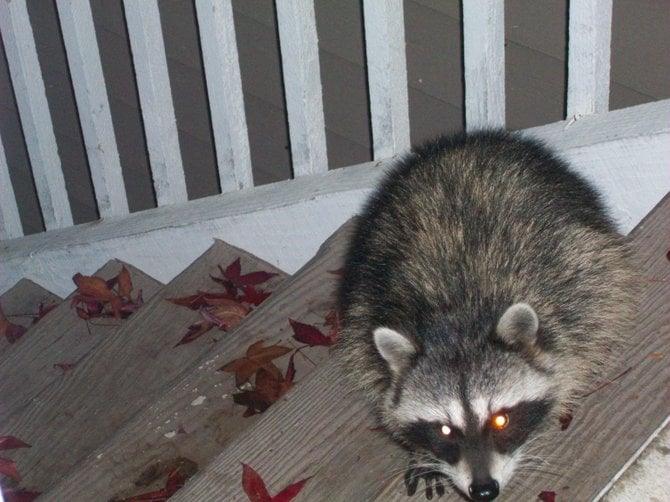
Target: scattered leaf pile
pixel 269 383
pixel 226 309
pixel 257 358
pixel 97 297
pixel 255 488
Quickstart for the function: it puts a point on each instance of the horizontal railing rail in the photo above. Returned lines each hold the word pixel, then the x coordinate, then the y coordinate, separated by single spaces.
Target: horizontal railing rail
pixel 384 33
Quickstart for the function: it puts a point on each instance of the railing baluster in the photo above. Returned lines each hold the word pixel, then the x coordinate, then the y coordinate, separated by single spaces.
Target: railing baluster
pixel 387 76
pixel 224 88
pixel 10 222
pixel 83 55
pixel 589 41
pixel 24 67
pixel 153 84
pixel 484 63
pixel 302 84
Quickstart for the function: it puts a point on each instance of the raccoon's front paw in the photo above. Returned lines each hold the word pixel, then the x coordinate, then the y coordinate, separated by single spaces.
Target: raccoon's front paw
pixel 431 478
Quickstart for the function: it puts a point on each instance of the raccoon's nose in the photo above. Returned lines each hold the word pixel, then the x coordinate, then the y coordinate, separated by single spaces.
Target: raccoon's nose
pixel 484 491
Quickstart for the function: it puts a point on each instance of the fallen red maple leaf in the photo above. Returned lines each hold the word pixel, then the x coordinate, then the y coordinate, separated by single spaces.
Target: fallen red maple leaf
pixel 124 282
pixel 96 297
pixel 256 357
pixel 195 331
pixel 268 388
pixel 254 295
pixel 231 275
pixel 255 488
pixel 565 420
pixel 18 495
pixel 306 333
pixel 200 299
pixel 225 310
pixel 8 468
pixel 11 443
pixel 221 312
pixel 547 496
pixel 226 314
pixel 10 330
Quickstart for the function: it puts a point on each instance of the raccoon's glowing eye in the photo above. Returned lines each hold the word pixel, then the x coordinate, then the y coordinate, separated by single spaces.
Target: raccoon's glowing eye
pixel 445 430
pixel 499 421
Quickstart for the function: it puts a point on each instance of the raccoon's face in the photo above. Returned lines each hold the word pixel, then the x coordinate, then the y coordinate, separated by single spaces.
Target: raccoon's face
pixel 470 419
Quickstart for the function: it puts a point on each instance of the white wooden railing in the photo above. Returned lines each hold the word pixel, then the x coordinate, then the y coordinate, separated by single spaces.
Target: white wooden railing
pixel 483 37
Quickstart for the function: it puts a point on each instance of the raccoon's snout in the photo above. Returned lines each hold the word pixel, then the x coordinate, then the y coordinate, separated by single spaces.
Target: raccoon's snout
pixel 487 490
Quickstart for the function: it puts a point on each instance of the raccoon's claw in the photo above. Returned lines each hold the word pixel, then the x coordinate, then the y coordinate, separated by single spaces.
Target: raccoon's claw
pixel 432 479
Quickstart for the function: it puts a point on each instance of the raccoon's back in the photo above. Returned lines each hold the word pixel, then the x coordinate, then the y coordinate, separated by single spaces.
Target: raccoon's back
pixel 464 227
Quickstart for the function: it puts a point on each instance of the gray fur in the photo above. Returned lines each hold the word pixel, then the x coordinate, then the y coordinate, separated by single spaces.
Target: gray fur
pixel 502 275
pixel 518 325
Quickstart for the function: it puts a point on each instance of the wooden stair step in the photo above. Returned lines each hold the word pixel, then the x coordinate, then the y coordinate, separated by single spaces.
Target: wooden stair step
pixel 322 430
pixel 128 369
pixel 20 303
pixel 60 338
pixel 201 402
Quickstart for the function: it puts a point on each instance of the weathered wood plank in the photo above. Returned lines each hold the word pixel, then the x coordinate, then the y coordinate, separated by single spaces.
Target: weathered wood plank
pixel 484 63
pixel 284 223
pixel 10 221
pixel 61 338
pixel 90 90
pixel 21 304
pixel 322 430
pixel 153 86
pixel 648 472
pixel 129 367
pixel 150 437
pixel 387 76
pixel 224 89
pixel 302 85
pixel 31 99
pixel 589 43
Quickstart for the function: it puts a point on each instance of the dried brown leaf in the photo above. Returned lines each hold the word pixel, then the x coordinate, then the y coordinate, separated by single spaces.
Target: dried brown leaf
pixel 256 357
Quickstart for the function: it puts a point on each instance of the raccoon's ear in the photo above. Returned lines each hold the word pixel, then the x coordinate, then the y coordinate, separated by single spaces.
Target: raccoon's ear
pixel 518 325
pixel 395 348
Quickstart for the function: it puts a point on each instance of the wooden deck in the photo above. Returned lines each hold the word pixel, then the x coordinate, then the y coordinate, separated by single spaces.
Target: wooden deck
pixel 135 406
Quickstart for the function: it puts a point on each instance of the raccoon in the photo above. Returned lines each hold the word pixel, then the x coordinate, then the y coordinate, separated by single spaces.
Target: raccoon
pixel 484 286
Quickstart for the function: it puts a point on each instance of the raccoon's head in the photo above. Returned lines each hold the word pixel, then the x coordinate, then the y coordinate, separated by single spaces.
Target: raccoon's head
pixel 469 411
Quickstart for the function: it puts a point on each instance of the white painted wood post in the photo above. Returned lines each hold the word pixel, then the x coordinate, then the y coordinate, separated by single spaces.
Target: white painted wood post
pixel 10 222
pixel 224 89
pixel 302 84
pixel 83 55
pixel 153 84
pixel 589 41
pixel 387 76
pixel 484 63
pixel 31 99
